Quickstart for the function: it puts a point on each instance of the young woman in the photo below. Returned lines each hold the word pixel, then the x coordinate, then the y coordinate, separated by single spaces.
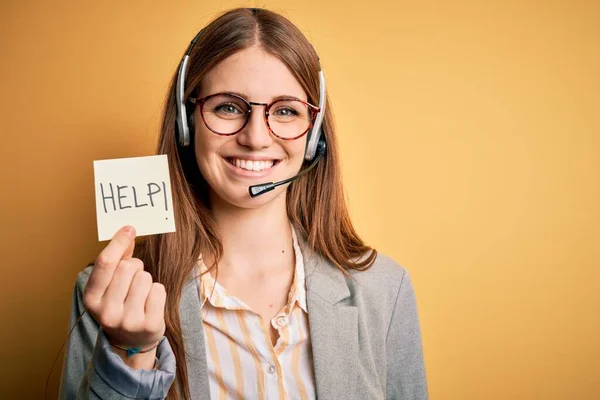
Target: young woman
pixel 264 296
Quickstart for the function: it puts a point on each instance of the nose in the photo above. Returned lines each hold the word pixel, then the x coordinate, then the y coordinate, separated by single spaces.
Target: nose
pixel 255 134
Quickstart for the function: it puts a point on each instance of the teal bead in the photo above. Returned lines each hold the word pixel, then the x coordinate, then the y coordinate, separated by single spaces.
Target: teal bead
pixel 133 351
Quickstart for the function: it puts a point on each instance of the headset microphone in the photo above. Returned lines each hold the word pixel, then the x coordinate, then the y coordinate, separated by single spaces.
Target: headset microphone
pixel 257 190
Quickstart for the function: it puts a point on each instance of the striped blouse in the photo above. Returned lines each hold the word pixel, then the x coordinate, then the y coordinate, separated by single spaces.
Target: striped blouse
pixel 242 361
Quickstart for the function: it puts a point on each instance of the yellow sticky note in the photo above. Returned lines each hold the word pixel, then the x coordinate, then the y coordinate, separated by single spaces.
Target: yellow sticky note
pixel 133 191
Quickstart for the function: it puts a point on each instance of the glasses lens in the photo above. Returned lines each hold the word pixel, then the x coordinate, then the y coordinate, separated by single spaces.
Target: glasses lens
pixel 224 114
pixel 289 118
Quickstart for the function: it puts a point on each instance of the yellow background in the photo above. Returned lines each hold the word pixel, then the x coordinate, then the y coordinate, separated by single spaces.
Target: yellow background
pixel 470 134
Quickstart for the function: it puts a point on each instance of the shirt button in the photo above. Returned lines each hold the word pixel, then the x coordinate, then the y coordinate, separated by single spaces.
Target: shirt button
pixel 282 321
pixel 271 368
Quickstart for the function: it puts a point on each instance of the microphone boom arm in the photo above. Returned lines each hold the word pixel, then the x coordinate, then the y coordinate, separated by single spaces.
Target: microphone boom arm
pixel 257 190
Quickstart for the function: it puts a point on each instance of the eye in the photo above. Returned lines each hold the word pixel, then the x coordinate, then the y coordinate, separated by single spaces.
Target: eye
pixel 228 109
pixel 285 112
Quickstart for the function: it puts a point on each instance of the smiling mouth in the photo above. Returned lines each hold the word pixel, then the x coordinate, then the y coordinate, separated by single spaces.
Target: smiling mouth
pixel 252 165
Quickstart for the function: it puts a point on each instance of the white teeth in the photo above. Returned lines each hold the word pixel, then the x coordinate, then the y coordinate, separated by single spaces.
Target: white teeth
pixel 250 165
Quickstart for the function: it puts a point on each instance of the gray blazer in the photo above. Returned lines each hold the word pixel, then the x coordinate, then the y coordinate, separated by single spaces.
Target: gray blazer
pixel 366 341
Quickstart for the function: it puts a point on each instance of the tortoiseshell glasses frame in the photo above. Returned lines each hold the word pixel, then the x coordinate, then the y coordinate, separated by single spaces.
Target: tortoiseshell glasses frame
pixel 201 102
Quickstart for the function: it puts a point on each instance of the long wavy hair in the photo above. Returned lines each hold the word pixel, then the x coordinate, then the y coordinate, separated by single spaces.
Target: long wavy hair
pixel 315 202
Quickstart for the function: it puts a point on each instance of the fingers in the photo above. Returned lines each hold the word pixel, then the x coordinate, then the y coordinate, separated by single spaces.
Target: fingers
pixel 139 290
pixel 121 281
pixel 120 295
pixel 120 247
pixel 155 307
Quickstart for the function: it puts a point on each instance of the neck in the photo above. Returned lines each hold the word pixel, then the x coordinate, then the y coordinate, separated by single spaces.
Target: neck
pixel 256 241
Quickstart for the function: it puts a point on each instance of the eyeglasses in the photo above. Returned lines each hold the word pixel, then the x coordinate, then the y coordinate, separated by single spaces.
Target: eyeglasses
pixel 226 114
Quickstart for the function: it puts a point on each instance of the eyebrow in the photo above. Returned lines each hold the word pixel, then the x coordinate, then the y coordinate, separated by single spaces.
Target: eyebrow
pixel 245 96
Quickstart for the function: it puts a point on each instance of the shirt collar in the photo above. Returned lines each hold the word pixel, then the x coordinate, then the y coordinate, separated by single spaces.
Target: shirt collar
pixel 298 290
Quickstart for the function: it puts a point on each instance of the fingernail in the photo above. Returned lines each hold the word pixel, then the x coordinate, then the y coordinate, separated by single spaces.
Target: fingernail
pixel 127 229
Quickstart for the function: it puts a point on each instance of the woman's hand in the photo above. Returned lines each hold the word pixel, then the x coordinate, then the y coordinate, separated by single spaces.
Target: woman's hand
pixel 121 296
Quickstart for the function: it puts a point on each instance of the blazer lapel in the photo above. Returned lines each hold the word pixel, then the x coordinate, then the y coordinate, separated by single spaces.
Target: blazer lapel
pixel 193 337
pixel 333 328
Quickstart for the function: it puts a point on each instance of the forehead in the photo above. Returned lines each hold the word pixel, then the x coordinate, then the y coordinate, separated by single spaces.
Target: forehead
pixel 253 72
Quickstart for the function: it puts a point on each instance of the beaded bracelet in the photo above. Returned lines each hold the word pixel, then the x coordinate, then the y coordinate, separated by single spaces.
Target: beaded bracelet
pixel 135 350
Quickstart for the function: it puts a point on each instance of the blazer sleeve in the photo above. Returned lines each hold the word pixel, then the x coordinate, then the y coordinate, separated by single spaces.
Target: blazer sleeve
pixel 406 377
pixel 91 370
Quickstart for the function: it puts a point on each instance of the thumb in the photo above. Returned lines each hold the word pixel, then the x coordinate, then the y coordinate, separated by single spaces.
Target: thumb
pixel 129 231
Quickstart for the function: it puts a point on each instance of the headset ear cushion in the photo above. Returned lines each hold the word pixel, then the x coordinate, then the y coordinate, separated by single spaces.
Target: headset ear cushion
pixel 313 143
pixel 191 121
pixel 181 136
pixel 321 146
